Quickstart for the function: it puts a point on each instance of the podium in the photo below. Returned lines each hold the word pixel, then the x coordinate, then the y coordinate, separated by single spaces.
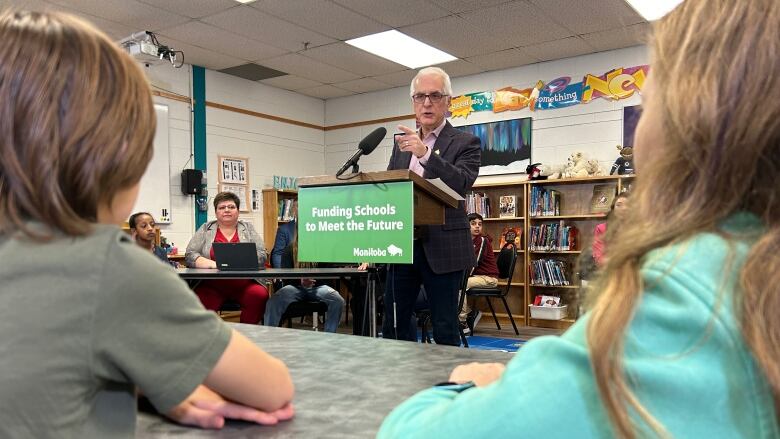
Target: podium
pixel 366 217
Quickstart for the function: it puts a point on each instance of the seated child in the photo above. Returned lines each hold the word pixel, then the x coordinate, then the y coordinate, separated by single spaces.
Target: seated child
pixel 76 134
pixel 306 289
pixel 142 230
pixel 485 272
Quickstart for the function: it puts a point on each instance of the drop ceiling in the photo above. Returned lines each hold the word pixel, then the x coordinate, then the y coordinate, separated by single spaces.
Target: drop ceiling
pixel 304 39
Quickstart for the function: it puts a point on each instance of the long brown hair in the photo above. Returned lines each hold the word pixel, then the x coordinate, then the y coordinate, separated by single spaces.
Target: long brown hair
pixel 714 61
pixel 76 122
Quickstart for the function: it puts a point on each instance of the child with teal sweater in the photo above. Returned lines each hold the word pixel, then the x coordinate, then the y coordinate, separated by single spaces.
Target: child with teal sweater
pixel 681 336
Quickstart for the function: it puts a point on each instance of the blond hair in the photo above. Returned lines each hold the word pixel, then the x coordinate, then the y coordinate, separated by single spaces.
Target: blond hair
pixel 719 102
pixel 76 122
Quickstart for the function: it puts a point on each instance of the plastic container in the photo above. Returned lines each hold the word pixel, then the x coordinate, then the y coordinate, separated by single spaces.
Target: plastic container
pixel 548 312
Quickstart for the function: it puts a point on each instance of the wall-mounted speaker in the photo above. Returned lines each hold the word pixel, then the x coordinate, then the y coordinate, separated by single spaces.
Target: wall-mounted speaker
pixel 191 180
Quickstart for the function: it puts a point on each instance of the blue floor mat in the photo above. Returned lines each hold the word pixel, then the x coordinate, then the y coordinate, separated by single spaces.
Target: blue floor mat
pixel 489 343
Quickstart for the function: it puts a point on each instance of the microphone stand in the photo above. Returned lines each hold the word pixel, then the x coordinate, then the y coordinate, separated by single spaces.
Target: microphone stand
pixel 355 168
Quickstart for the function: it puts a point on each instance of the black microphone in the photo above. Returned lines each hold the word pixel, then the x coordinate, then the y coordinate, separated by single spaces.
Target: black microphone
pixel 365 147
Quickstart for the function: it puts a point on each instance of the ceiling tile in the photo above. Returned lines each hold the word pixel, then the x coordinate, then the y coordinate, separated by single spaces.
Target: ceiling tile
pixel 192 8
pixel 260 26
pixel 202 57
pixel 352 59
pixel 586 17
pixel 619 38
pixel 503 59
pixel 457 37
pixel 304 67
pixel 322 16
pixel 221 41
pixel 362 85
pixel 325 92
pixel 396 13
pixel 558 49
pixel 131 13
pixel 397 79
pixel 460 68
pixel 291 82
pixel 518 23
pixel 466 5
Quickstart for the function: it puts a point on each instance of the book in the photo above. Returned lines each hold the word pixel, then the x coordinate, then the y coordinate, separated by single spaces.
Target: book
pixel 507 206
pixel 542 300
pixel 601 201
pixel 511 234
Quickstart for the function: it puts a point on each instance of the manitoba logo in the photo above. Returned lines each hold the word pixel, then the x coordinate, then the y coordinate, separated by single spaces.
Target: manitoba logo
pixel 392 250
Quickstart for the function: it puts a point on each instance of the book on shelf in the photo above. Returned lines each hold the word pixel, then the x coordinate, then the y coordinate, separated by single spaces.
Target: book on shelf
pixel 478 202
pixel 549 272
pixel 545 202
pixel 511 234
pixel 601 201
pixel 552 237
pixel 507 206
pixel 285 209
pixel 543 300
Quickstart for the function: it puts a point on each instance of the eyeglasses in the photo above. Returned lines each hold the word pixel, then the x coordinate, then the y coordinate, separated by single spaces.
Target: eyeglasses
pixel 435 97
pixel 227 207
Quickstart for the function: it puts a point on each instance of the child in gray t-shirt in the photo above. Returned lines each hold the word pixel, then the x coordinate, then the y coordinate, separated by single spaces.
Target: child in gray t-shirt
pixel 88 318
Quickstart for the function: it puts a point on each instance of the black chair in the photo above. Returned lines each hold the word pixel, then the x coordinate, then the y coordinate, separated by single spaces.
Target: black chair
pixel 303 308
pixel 424 315
pixel 506 269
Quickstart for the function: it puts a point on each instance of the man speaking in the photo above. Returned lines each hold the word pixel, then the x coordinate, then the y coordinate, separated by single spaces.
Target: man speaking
pixel 442 252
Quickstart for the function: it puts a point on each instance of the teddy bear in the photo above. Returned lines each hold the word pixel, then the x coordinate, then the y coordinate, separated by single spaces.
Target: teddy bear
pixel 576 166
pixel 538 171
pixel 594 168
pixel 625 163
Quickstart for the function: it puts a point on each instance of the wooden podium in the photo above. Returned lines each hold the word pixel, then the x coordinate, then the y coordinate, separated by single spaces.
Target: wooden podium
pixel 429 200
pixel 428 204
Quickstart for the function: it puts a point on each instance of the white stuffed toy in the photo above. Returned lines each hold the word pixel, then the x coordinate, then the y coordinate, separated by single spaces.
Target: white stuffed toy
pixel 576 166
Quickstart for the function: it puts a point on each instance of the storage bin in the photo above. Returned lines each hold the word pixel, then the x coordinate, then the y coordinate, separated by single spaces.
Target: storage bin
pixel 548 312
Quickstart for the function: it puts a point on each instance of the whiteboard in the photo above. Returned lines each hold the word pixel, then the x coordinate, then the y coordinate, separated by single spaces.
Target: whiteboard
pixel 154 195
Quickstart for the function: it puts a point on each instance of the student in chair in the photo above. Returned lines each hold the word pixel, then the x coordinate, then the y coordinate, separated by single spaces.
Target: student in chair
pixel 89 319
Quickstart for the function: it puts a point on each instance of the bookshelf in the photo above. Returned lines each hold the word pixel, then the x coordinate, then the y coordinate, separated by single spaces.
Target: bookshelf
pixel 552 271
pixel 271 221
pixel 493 225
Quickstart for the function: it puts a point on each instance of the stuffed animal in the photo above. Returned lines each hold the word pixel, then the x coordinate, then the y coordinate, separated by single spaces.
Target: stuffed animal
pixel 594 168
pixel 535 172
pixel 538 171
pixel 625 163
pixel 576 166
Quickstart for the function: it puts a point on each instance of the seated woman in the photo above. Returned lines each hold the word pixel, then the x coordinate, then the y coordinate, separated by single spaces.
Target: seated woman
pixel 681 339
pixel 249 293
pixel 305 289
pixel 142 230
pixel 76 135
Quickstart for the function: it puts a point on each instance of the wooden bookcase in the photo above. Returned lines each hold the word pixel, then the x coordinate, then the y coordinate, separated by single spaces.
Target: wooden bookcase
pixel 493 226
pixel 575 210
pixel 271 221
pixel 575 205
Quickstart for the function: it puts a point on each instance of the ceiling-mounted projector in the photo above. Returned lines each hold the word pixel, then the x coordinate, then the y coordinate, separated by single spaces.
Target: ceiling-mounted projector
pixel 145 47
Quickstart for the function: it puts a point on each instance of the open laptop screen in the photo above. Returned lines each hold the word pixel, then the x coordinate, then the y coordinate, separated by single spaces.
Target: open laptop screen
pixel 236 256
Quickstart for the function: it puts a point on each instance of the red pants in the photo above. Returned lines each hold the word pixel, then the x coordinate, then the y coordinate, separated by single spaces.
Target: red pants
pixel 251 295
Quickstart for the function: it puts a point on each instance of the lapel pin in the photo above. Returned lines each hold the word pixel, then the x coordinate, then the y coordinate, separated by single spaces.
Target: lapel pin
pixel 436 152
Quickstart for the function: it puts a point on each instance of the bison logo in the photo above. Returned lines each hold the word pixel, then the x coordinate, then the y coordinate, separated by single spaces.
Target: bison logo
pixel 395 251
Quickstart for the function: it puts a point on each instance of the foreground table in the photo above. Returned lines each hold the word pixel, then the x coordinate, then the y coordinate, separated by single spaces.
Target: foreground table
pixel 344 384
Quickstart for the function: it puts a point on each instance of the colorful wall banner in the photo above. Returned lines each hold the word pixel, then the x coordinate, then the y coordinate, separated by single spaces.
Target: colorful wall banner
pixel 616 84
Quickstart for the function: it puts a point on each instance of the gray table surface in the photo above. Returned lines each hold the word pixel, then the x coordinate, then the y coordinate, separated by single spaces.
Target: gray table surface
pixel 344 384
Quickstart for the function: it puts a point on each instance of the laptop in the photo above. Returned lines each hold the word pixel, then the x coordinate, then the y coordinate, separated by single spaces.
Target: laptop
pixel 236 256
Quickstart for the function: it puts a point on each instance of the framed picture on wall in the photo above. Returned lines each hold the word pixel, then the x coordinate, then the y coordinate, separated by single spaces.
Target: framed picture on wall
pixel 506 145
pixel 233 169
pixel 241 192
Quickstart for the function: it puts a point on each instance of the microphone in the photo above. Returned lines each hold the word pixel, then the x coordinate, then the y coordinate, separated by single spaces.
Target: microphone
pixel 365 147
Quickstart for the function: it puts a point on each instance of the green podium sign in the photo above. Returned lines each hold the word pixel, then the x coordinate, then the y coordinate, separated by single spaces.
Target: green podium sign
pixel 356 223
